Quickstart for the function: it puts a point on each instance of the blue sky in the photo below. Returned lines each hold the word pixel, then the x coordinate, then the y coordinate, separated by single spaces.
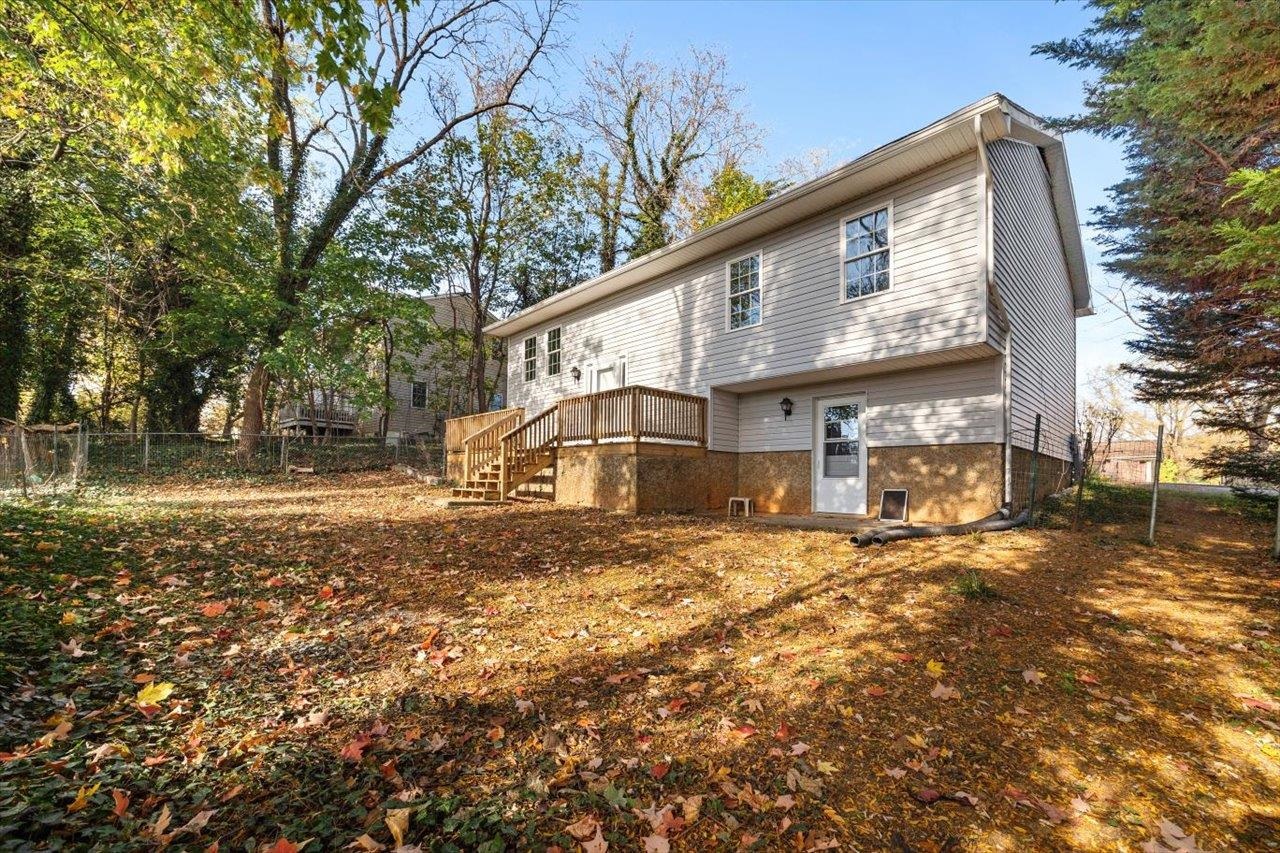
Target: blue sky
pixel 848 77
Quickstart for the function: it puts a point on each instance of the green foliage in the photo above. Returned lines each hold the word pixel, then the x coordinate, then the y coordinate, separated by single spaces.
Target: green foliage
pixel 731 191
pixel 972 585
pixel 1192 87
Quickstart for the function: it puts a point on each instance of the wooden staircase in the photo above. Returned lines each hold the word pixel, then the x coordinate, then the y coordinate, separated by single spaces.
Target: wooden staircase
pixel 506 455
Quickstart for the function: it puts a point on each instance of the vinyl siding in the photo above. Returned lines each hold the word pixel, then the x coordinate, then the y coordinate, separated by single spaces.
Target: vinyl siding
pixel 673 331
pixel 724 420
pixel 1031 273
pixel 954 404
pixel 430 366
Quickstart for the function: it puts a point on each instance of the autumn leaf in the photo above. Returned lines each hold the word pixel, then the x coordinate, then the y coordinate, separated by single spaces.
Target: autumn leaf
pixel 398 823
pixel 284 845
pixel 354 751
pixel 152 694
pixel 942 691
pixel 82 797
pixel 122 802
pixel 1032 676
pixel 583 828
pixel 935 668
pixel 214 609
pixel 875 691
pixel 656 844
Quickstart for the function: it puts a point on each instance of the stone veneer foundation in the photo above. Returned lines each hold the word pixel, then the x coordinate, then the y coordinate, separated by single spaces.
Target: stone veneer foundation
pixel 947 483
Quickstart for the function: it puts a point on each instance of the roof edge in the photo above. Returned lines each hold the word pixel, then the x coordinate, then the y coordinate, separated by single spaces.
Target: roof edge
pixel 1001 117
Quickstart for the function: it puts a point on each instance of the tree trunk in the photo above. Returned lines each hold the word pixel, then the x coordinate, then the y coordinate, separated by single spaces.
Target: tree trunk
pixel 255 394
pixel 478 359
pixel 16 220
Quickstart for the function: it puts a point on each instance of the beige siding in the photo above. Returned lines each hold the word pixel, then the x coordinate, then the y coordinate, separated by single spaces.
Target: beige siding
pixel 1031 273
pixel 451 312
pixel 955 404
pixel 724 420
pixel 672 331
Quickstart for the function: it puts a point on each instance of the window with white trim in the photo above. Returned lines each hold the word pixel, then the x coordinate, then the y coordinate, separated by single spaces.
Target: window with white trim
pixel 553 351
pixel 530 359
pixel 866 254
pixel 744 292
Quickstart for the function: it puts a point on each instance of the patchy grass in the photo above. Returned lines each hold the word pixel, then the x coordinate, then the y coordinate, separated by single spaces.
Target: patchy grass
pixel 972 585
pixel 332 659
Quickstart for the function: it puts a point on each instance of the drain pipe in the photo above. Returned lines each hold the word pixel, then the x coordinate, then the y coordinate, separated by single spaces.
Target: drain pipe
pixel 997 521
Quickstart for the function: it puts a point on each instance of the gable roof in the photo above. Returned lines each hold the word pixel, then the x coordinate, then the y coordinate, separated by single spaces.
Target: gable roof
pixel 945 139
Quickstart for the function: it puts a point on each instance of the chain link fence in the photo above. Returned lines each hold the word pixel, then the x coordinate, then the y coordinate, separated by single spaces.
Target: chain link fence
pixel 42 462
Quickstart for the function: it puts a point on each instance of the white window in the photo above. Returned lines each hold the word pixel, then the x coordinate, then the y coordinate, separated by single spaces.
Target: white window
pixel 553 351
pixel 419 395
pixel 530 359
pixel 866 254
pixel 744 292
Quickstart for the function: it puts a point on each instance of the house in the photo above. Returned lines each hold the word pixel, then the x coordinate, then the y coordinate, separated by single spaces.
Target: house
pixel 423 399
pixel 1127 461
pixel 899 322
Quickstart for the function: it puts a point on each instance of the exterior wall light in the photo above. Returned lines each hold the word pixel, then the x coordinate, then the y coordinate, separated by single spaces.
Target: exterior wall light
pixel 576 373
pixel 786 405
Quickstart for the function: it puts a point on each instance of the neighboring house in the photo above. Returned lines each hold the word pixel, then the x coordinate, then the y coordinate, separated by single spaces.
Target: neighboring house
pixel 1128 461
pixel 422 400
pixel 896 323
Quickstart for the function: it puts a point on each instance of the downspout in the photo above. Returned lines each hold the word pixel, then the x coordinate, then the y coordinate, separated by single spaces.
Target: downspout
pixel 991 299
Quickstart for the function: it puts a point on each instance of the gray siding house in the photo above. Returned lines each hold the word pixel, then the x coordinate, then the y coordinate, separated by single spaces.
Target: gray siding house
pixel 896 323
pixel 423 398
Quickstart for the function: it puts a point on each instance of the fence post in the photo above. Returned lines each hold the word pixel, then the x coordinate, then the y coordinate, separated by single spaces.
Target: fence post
pixel 1035 472
pixel 146 452
pixel 1155 485
pixel 284 454
pixel 24 452
pixel 54 474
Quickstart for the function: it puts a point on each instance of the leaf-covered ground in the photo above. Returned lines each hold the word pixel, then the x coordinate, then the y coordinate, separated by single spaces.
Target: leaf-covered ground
pixel 340 661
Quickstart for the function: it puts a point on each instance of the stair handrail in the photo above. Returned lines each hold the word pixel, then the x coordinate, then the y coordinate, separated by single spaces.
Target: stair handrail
pixel 534 435
pixel 481 448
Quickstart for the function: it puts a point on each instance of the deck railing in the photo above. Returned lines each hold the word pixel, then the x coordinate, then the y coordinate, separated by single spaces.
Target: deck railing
pixel 317 415
pixel 635 412
pixel 524 446
pixel 483 447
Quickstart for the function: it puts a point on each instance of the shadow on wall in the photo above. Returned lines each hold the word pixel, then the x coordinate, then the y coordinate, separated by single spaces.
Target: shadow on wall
pixel 781 481
pixel 947 483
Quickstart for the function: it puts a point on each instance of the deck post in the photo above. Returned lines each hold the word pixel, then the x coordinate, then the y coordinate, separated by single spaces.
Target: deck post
pixel 635 412
pixel 502 469
pixel 595 419
pixel 146 452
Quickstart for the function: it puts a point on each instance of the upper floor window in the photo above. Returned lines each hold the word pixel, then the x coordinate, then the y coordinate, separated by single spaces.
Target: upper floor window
pixel 866 254
pixel 419 395
pixel 530 359
pixel 553 351
pixel 744 292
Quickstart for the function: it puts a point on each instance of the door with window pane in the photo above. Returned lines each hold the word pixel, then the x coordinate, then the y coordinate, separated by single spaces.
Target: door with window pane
pixel 840 455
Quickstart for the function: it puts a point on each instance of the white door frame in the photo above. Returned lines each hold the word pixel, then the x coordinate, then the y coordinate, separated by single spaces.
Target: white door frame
pixel 855 499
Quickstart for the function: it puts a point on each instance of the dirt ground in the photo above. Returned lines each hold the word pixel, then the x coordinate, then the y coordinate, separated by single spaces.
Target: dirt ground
pixel 341 661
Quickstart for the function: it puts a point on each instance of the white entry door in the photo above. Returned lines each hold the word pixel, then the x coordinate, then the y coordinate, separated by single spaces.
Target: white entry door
pixel 609 376
pixel 840 455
